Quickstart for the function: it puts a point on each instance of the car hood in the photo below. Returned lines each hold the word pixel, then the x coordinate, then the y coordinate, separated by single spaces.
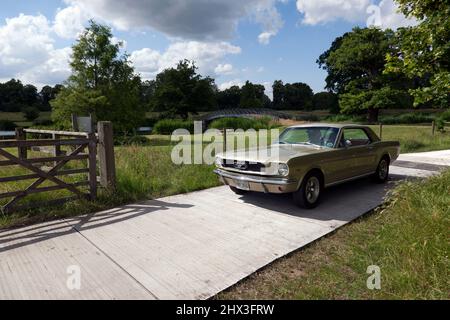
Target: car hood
pixel 274 153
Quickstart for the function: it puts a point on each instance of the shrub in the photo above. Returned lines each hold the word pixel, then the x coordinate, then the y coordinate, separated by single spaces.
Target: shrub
pixel 443 117
pixel 167 126
pixel 7 125
pixel 346 118
pixel 31 113
pixel 243 123
pixel 407 118
pixel 43 123
pixel 411 144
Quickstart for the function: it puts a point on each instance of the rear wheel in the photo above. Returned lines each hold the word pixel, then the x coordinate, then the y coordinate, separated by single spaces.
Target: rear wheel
pixel 238 191
pixel 382 173
pixel 308 196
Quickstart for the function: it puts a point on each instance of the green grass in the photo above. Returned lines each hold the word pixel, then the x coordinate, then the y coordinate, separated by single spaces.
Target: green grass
pixel 19 119
pixel 415 138
pixel 407 239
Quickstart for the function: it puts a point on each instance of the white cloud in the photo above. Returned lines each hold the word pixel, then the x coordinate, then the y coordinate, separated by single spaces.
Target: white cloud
pixel 389 17
pixel 149 62
pixel 229 84
pixel 264 38
pixel 55 70
pixel 27 51
pixel 24 41
pixel 382 13
pixel 316 12
pixel 224 69
pixel 203 20
pixel 69 22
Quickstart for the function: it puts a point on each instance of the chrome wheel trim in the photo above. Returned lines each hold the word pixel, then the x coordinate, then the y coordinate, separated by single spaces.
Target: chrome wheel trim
pixel 383 169
pixel 312 189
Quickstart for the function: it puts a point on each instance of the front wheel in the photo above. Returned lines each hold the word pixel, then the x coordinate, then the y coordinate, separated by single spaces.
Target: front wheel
pixel 308 196
pixel 382 173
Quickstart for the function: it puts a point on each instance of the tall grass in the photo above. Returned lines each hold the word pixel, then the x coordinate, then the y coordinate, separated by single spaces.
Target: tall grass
pixel 415 138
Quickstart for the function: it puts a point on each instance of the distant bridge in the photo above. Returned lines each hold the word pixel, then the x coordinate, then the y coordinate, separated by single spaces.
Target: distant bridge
pixel 243 113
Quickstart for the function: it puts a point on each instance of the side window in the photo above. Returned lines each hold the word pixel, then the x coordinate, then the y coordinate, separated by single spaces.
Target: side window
pixel 355 137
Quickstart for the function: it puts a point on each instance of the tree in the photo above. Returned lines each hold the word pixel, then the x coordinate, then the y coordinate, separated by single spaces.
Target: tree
pixel 295 96
pixel 424 50
pixel 229 98
pixel 298 96
pixel 336 78
pixel 103 83
pixel 180 91
pixel 11 96
pixel 326 101
pixel 47 94
pixel 278 95
pixel 146 93
pixel 253 96
pixel 31 113
pixel 355 63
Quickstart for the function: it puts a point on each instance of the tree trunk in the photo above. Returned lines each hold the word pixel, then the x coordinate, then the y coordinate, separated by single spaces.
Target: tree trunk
pixel 372 115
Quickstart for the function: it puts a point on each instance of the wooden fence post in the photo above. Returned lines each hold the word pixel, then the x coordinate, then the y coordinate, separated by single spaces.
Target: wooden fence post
pixel 92 149
pixel 224 133
pixel 22 151
pixel 433 127
pixel 106 155
pixel 381 131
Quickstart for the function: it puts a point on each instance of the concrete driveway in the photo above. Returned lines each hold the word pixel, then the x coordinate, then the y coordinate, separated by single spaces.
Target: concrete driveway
pixel 189 246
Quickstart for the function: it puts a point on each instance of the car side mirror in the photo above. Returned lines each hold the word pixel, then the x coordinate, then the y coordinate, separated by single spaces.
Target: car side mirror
pixel 348 143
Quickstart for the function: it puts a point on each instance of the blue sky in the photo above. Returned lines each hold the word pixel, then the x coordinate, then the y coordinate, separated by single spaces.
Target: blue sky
pixel 231 40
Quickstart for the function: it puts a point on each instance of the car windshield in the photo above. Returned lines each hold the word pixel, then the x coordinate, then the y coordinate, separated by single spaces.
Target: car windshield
pixel 316 136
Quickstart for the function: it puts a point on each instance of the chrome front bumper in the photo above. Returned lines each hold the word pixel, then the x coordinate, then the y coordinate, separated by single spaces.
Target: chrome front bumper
pixel 258 184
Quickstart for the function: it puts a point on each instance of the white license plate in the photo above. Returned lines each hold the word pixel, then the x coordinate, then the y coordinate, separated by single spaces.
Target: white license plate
pixel 243 185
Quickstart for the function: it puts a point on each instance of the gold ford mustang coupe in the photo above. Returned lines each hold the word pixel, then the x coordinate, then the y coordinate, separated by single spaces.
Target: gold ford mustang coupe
pixel 308 158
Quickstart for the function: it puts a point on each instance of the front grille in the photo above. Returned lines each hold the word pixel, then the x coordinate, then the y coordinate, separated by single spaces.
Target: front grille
pixel 243 165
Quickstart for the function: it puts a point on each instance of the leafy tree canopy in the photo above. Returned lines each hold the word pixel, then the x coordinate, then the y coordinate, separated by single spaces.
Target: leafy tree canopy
pixel 356 62
pixel 229 98
pixel 292 96
pixel 326 101
pixel 253 96
pixel 424 50
pixel 103 83
pixel 180 91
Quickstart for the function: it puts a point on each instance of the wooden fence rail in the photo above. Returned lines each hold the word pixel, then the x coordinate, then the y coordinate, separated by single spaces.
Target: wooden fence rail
pixel 82 146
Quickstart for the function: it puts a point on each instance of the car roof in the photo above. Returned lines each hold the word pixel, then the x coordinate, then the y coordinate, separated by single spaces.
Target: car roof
pixel 331 125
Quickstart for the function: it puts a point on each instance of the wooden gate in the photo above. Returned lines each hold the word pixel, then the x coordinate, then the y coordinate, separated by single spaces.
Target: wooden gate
pixel 79 143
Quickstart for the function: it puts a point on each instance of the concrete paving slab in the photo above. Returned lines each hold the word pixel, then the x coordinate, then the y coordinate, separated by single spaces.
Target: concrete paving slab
pixel 37 262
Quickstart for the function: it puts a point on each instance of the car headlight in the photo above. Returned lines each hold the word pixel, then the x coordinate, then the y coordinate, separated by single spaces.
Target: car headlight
pixel 218 162
pixel 283 169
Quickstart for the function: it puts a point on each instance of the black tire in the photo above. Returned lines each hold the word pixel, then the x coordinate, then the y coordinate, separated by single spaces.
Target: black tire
pixel 238 191
pixel 382 173
pixel 309 194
